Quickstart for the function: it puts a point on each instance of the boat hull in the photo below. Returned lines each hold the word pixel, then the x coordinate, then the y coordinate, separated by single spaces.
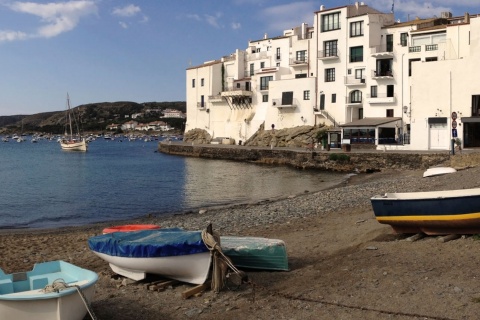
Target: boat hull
pixel 172 253
pixel 255 252
pixel 433 213
pixel 74 145
pixel 21 296
pixel 437 171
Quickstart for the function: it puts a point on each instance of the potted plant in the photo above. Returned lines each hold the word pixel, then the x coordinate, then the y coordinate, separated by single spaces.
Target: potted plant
pixel 458 143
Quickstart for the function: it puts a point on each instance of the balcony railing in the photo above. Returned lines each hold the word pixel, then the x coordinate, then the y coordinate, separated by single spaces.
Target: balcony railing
pixel 381 98
pixel 354 81
pixel 278 103
pixel 238 88
pixel 415 49
pixel 329 54
pixel 382 74
pixel 256 56
pixel 431 47
pixel 299 62
pixel 384 50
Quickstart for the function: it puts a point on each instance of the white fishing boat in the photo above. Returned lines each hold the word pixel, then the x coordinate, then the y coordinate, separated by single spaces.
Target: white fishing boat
pixel 71 141
pixel 437 171
pixel 173 253
pixel 54 290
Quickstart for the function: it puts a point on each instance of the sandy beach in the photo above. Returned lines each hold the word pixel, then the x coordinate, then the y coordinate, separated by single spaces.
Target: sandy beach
pixel 343 263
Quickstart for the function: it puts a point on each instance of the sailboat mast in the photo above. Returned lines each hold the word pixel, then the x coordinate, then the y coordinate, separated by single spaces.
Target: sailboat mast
pixel 69 117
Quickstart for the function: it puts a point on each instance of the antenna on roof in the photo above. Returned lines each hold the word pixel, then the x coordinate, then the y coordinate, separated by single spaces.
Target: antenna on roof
pixel 393 6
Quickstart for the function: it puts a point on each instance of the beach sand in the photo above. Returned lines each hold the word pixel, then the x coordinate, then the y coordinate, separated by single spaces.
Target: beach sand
pixel 344 264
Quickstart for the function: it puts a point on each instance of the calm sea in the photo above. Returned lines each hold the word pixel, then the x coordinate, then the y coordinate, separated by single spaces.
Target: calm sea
pixel 43 186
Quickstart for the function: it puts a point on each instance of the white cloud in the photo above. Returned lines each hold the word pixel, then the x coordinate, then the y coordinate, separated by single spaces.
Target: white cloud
pixel 236 25
pixel 127 11
pixel 213 20
pixel 286 16
pixel 124 25
pixel 57 18
pixel 12 36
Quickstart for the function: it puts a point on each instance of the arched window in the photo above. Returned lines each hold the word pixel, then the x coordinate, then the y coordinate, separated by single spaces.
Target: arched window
pixel 356 96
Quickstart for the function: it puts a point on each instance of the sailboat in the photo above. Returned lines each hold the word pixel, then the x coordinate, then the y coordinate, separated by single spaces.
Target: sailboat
pixel 70 141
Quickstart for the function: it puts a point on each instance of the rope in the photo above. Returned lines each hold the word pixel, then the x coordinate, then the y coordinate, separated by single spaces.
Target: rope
pixel 60 284
pixel 220 261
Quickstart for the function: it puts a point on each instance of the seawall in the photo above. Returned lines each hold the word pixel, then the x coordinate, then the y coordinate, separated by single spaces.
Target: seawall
pixel 363 161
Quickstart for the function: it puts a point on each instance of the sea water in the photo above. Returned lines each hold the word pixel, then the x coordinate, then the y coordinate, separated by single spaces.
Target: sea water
pixel 42 186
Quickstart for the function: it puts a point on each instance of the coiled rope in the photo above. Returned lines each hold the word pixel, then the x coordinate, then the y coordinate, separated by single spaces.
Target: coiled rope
pixel 220 261
pixel 60 284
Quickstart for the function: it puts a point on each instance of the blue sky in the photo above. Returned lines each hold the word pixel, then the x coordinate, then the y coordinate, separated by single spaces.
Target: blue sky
pixel 115 50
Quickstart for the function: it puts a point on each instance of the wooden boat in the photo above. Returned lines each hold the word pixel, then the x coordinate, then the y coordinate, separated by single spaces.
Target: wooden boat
pixel 255 252
pixel 26 295
pixel 131 227
pixel 437 171
pixel 173 253
pixel 432 212
pixel 71 141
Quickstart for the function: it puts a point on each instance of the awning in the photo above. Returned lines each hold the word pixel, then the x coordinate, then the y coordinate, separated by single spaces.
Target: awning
pixel 371 122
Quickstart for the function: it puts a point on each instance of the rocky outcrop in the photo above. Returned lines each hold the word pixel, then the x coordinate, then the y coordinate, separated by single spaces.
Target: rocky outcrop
pixel 197 136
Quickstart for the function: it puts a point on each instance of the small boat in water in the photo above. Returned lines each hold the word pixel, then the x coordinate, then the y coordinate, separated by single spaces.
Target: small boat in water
pixel 255 252
pixel 431 212
pixel 54 290
pixel 173 253
pixel 71 141
pixel 437 171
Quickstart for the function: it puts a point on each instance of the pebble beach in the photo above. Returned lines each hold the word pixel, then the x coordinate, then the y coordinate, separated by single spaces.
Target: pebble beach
pixel 332 275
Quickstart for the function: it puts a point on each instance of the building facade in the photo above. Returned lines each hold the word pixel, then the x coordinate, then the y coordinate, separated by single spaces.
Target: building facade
pixel 373 80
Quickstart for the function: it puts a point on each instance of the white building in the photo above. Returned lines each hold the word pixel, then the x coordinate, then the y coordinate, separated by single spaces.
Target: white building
pixel 377 82
pixel 173 113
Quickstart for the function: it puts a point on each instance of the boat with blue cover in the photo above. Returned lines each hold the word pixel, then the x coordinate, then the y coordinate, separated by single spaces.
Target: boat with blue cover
pixel 431 212
pixel 54 290
pixel 172 252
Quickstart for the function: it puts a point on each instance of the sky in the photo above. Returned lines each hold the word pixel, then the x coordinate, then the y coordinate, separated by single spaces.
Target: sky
pixel 139 50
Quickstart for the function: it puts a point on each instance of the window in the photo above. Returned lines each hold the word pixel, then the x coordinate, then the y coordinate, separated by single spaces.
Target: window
pixel 373 91
pixel 431 59
pixel 322 101
pixel 389 113
pixel 193 83
pixel 306 95
pixel 262 65
pixel 330 75
pixel 278 53
pixel 334 98
pixel 356 96
pixel 265 98
pixel 331 21
pixel 360 113
pixel 278 64
pixel 356 29
pixel 301 55
pixel 300 75
pixel 252 72
pixel 330 48
pixel 264 82
pixel 389 42
pixel 202 101
pixel 403 39
pixel 287 98
pixel 202 82
pixel 475 105
pixel 359 74
pixel 390 90
pixel 410 66
pixel 356 54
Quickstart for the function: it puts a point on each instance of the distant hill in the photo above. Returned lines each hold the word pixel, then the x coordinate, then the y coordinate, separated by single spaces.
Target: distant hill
pixel 93 116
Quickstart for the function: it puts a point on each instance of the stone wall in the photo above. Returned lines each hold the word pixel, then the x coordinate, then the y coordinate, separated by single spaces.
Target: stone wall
pixel 322 160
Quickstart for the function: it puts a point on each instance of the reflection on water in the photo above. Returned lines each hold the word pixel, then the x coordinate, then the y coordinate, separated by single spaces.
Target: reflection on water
pixel 218 182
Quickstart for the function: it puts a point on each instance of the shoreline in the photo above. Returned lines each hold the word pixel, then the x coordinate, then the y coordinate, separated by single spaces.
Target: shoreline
pixel 343 263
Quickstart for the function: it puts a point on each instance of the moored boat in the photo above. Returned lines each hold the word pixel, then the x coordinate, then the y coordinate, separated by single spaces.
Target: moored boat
pixel 54 290
pixel 432 212
pixel 255 252
pixel 71 141
pixel 173 253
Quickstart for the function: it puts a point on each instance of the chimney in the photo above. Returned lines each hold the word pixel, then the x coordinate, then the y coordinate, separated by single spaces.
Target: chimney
pixel 265 36
pixel 322 7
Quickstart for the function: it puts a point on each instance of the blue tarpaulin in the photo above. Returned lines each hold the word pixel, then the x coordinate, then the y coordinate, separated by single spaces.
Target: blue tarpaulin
pixel 149 243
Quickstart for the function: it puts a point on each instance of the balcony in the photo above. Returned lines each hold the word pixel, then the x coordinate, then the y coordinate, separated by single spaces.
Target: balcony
pixel 299 63
pixel 382 74
pixel 353 102
pixel 428 47
pixel 278 103
pixel 381 51
pixel 352 81
pixel 381 98
pixel 215 98
pixel 329 54
pixel 237 91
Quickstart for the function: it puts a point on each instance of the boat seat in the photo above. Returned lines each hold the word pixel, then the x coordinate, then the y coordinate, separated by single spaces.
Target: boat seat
pixel 38 282
pixel 6 286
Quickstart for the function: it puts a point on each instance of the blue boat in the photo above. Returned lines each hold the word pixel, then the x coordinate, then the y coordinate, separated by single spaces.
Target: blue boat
pixel 173 253
pixel 432 212
pixel 55 290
